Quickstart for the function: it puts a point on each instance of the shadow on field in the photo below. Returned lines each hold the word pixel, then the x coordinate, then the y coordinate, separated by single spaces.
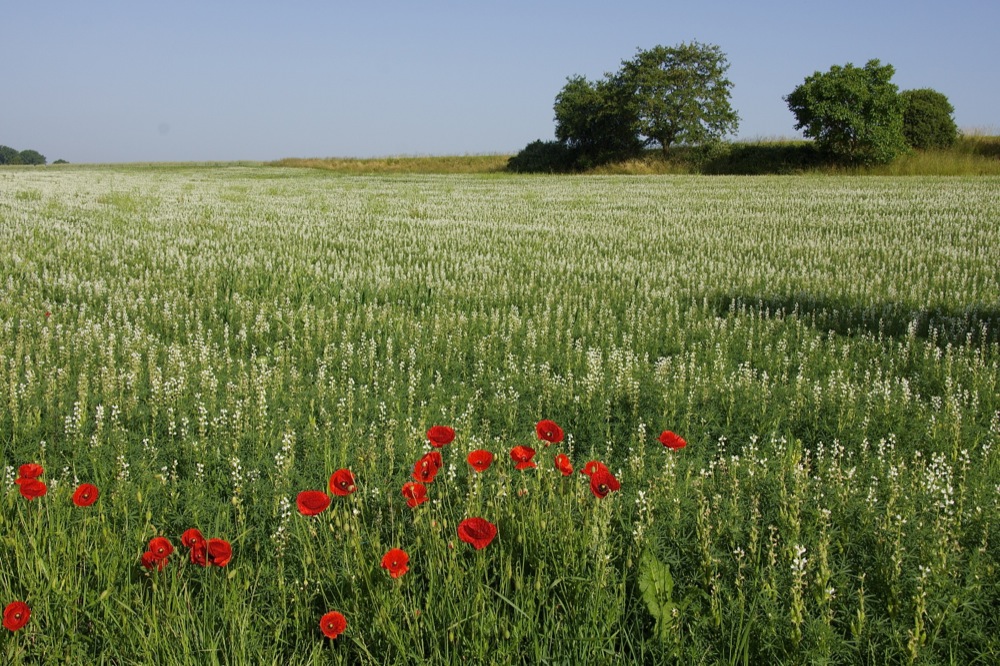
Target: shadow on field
pixel 974 325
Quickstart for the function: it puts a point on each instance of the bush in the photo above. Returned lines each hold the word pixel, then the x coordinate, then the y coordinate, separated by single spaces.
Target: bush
pixel 542 157
pixel 927 119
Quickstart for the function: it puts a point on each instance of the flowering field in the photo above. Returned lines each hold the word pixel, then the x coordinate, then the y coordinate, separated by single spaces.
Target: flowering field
pixel 256 415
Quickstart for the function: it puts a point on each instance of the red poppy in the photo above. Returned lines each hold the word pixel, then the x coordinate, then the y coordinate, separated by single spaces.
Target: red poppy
pixel 593 466
pixel 415 494
pixel 440 435
pixel 435 458
pixel 312 502
pixel 480 460
pixel 549 432
pixel 219 552
pixel 199 553
pixel 342 483
pixel 603 482
pixel 395 562
pixel 16 615
pixel 672 440
pixel 30 471
pixel 477 531
pixel 192 537
pixel 427 467
pixel 85 494
pixel 563 464
pixel 522 455
pixel 160 547
pixel 333 624
pixel 31 488
pixel 150 560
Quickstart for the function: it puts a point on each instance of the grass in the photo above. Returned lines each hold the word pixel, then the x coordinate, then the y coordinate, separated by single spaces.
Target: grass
pixel 204 343
pixel 467 164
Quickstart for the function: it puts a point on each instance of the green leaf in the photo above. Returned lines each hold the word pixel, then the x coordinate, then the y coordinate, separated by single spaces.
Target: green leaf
pixel 657 588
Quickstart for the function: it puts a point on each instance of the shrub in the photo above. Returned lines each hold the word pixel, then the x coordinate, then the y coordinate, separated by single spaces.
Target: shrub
pixel 542 157
pixel 927 119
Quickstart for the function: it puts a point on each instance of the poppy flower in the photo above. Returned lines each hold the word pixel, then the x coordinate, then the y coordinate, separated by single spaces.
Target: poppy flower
pixel 427 467
pixel 440 435
pixel 563 464
pixel 219 552
pixel 415 493
pixel 160 547
pixel 342 483
pixel 16 615
pixel 548 432
pixel 199 553
pixel 603 482
pixel 480 460
pixel 312 502
pixel 150 560
pixel 85 494
pixel 672 440
pixel 192 537
pixel 478 532
pixel 333 624
pixel 522 455
pixel 593 466
pixel 395 562
pixel 31 488
pixel 30 471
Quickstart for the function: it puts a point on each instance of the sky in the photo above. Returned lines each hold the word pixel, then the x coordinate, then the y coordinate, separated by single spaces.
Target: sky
pixel 131 81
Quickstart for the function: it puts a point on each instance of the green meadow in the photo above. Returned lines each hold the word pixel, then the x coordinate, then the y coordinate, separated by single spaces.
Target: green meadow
pixel 204 343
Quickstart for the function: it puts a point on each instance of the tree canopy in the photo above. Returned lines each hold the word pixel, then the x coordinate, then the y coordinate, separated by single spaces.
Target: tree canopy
pixel 10 155
pixel 680 94
pixel 595 120
pixel 853 113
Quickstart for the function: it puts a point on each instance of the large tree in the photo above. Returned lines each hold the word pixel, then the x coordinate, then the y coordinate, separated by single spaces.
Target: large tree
pixel 595 120
pixel 680 94
pixel 853 113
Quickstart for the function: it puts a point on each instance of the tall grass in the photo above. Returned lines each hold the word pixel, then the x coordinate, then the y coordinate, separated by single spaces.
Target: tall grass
pixel 453 164
pixel 204 344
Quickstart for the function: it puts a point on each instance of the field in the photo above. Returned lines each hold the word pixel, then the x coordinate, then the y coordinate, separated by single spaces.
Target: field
pixel 202 344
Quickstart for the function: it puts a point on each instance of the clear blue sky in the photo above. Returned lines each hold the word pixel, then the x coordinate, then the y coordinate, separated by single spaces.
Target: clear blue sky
pixel 103 81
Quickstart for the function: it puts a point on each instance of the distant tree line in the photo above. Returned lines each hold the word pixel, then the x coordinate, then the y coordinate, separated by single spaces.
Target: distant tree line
pixel 680 96
pixel 9 155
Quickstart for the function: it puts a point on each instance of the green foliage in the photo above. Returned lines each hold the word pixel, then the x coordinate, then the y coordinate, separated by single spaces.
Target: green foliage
pixel 663 96
pixel 60 161
pixel 9 155
pixel 854 114
pixel 542 157
pixel 32 157
pixel 681 94
pixel 595 121
pixel 927 119
pixel 656 586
